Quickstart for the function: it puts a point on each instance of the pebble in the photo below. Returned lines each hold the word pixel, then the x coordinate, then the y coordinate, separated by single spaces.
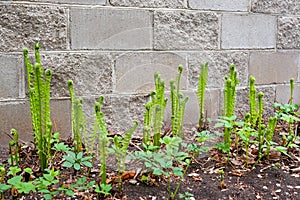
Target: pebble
pixel 133 181
pixel 265 187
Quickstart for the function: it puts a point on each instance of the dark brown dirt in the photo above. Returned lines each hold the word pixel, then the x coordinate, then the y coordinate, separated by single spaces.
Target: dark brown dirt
pixel 268 180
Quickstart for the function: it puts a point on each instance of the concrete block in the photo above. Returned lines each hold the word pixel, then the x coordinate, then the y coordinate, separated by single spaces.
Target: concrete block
pixel 288 33
pixel 185 30
pixel 248 31
pixel 283 94
pixel 135 71
pixel 151 3
pixel 218 67
pixel 10 76
pixel 89 2
pixel 125 109
pixel 24 25
pixel 273 67
pixel 106 28
pixel 16 114
pixel 228 5
pixel 119 112
pixel 276 6
pixel 192 112
pixel 91 72
pixel 242 100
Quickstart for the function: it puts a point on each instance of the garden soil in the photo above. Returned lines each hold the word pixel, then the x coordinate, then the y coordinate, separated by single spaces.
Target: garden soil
pixel 277 179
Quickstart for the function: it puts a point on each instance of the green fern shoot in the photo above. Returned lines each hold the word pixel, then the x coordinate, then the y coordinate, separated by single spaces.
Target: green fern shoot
pixel 203 78
pixel 154 114
pixel 178 102
pixel 78 120
pixel 231 82
pixel 39 95
pixel 101 130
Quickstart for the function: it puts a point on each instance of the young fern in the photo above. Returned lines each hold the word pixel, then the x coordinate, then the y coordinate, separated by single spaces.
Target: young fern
pixel 39 95
pixel 252 98
pixel 120 149
pixel 231 82
pixel 78 120
pixel 203 78
pixel 261 126
pixel 178 106
pixel 270 133
pixel 100 128
pixel 292 87
pixel 147 125
pixel 14 148
pixel 153 117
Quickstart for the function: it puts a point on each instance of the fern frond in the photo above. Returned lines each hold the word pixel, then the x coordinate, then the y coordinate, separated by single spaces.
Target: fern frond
pixel 202 82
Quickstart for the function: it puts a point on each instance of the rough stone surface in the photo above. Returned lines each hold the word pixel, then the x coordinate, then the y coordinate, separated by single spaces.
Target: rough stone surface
pixel 91 73
pixel 273 67
pixel 248 31
pixel 185 30
pixel 17 116
pixel 283 94
pixel 106 28
pixel 218 67
pixel 288 33
pixel 119 111
pixel 10 76
pixel 228 5
pixel 135 71
pixel 125 109
pixel 191 115
pixel 242 101
pixel 23 25
pixel 276 6
pixel 151 3
pixel 90 2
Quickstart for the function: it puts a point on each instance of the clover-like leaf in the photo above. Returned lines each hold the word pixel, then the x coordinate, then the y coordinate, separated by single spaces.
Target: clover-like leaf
pixel 77 166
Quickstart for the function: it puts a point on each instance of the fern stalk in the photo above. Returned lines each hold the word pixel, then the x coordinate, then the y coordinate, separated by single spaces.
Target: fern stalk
pixel 292 87
pixel 78 120
pixel 178 105
pixel 231 82
pixel 203 78
pixel 153 118
pixel 100 126
pixel 260 116
pixel 270 133
pixel 39 95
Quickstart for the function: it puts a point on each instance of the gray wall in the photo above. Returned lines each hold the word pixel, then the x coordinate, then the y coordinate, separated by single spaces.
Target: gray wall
pixel 113 48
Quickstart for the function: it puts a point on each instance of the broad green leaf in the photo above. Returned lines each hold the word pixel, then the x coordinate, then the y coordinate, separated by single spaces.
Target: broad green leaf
pixel 77 166
pixel 178 171
pixel 87 158
pixel 67 164
pixel 48 177
pixel 28 170
pixel 48 196
pixel 157 171
pixel 88 164
pixel 4 187
pixel 71 154
pixel 70 193
pixel 15 180
pixel 27 187
pixel 69 159
pixel 79 155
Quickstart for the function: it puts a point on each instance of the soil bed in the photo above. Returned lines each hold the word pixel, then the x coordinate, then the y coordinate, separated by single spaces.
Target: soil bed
pixel 268 180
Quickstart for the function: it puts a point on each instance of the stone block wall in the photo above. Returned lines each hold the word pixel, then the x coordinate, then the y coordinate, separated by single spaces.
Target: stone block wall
pixel 113 48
